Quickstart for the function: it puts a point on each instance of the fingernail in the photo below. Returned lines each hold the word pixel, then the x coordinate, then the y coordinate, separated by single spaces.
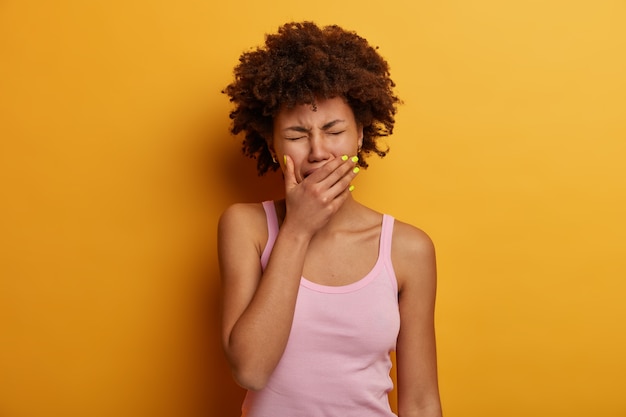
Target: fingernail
pixel 356 170
pixel 355 159
pixel 344 158
pixel 351 188
pixel 285 159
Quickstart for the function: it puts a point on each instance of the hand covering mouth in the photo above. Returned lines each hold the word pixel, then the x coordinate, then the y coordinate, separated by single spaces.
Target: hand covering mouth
pixel 309 172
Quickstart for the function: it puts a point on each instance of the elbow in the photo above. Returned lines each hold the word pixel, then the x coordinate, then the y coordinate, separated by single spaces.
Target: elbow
pixel 250 371
pixel 249 379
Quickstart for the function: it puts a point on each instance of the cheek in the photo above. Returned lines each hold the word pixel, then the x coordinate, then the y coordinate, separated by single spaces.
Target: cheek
pixel 294 153
pixel 349 146
pixel 294 149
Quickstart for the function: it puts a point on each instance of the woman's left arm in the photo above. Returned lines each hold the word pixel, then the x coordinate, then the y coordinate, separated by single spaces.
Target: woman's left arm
pixel 413 257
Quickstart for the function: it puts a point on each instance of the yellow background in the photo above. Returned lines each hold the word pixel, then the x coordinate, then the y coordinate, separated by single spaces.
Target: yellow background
pixel 115 162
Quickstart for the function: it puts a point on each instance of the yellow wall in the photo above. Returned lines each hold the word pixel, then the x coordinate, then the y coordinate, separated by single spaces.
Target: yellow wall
pixel 115 162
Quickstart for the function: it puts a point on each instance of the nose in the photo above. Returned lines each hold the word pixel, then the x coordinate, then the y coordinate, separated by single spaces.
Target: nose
pixel 317 148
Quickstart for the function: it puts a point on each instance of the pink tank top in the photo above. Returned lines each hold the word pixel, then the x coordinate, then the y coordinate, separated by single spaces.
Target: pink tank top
pixel 336 362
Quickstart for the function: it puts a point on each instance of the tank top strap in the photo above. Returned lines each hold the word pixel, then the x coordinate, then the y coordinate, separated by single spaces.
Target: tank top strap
pixel 386 235
pixel 272 231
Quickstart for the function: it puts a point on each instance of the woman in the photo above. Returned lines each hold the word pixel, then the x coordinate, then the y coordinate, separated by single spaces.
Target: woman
pixel 318 289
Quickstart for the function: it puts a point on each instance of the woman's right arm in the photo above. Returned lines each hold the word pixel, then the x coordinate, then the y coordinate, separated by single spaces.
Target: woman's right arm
pixel 258 306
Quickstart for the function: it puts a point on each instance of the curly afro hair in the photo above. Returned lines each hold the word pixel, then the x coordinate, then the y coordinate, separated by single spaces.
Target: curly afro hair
pixel 303 62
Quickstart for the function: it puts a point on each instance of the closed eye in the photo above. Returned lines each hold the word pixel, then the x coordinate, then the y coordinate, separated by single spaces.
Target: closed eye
pixel 336 133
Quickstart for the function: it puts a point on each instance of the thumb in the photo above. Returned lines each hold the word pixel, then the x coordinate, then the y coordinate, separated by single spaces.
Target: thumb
pixel 290 176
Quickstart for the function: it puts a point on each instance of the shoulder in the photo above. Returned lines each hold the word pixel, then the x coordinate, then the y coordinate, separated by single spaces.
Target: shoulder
pixel 410 240
pixel 242 222
pixel 413 255
pixel 242 212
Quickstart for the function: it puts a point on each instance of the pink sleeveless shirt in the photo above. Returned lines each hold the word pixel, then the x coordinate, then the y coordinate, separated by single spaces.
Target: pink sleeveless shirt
pixel 336 362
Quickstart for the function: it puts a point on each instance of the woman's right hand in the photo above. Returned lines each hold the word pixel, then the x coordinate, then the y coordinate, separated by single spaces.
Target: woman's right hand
pixel 311 202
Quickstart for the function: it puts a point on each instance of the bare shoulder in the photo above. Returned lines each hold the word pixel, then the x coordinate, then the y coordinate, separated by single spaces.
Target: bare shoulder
pixel 243 222
pixel 243 216
pixel 246 212
pixel 412 241
pixel 413 255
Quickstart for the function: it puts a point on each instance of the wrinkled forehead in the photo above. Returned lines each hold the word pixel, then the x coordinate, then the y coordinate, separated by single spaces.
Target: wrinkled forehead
pixel 321 112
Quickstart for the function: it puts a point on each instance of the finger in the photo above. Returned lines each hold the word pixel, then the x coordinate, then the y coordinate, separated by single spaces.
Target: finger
pixel 290 176
pixel 332 170
pixel 346 169
pixel 342 195
pixel 343 184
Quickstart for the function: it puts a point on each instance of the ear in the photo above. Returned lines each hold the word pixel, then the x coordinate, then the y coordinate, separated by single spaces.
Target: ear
pixel 359 131
pixel 270 146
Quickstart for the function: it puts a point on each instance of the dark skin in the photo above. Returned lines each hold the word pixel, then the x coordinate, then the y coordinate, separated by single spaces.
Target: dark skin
pixel 302 63
pixel 324 232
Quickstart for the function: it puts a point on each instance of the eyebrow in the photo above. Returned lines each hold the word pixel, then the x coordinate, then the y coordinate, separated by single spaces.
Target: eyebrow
pixel 306 130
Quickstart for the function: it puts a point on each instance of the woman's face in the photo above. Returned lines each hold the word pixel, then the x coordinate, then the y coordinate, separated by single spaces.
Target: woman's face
pixel 312 138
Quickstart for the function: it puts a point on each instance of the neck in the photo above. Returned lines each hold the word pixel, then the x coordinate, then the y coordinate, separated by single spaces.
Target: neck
pixel 346 217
